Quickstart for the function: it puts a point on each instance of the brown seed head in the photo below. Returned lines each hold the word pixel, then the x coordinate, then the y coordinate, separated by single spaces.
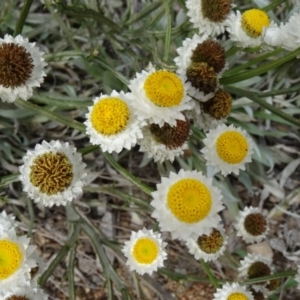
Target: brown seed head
pixel 219 106
pixel 255 224
pixel 273 284
pixel 202 77
pixel 216 10
pixel 172 137
pixel 15 65
pixel 258 269
pixel 257 295
pixel 212 53
pixel 211 243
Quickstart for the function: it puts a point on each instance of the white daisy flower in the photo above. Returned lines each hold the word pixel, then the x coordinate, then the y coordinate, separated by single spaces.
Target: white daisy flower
pixel 145 251
pixel 22 68
pixel 159 96
pixel 208 247
pixel 251 225
pixel 255 266
pixel 16 261
pixel 227 149
pixel 26 292
pixel 233 291
pixel 187 204
pixel 112 123
pixel 184 60
pixel 7 222
pixel 166 142
pixel 209 16
pixel 247 29
pixel 53 173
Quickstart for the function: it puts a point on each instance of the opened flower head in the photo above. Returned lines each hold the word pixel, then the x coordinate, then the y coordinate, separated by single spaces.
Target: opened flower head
pixel 208 246
pixel 186 204
pixel 15 261
pixel 247 29
pixel 227 149
pixel 27 292
pixel 22 68
pixel 145 251
pixel 233 291
pixel 251 225
pixel 112 123
pixel 193 66
pixel 159 96
pixel 166 142
pixel 53 173
pixel 209 16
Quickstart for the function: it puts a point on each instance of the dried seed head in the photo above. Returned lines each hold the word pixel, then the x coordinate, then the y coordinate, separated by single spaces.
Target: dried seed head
pixel 216 10
pixel 202 77
pixel 273 284
pixel 211 243
pixel 258 269
pixel 172 137
pixel 255 224
pixel 219 106
pixel 212 53
pixel 258 295
pixel 15 65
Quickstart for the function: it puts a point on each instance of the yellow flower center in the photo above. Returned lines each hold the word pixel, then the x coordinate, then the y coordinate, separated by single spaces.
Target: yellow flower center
pixel 232 147
pixel 145 251
pixel 189 200
pixel 10 258
pixel 51 172
pixel 15 297
pixel 110 116
pixel 164 89
pixel 237 296
pixel 253 22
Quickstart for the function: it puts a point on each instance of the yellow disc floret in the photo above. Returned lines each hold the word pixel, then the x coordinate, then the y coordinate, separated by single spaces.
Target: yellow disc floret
pixel 164 89
pixel 237 296
pixel 145 250
pixel 232 147
pixel 10 258
pixel 51 172
pixel 254 21
pixel 110 116
pixel 189 200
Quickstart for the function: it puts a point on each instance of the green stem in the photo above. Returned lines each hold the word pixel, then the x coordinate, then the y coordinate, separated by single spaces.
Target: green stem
pixel 60 255
pixel 31 215
pixel 168 31
pixel 274 4
pixel 50 114
pixel 260 70
pixel 145 188
pixel 212 278
pixel 263 103
pixel 22 17
pixel 252 62
pixel 71 283
pixel 267 278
